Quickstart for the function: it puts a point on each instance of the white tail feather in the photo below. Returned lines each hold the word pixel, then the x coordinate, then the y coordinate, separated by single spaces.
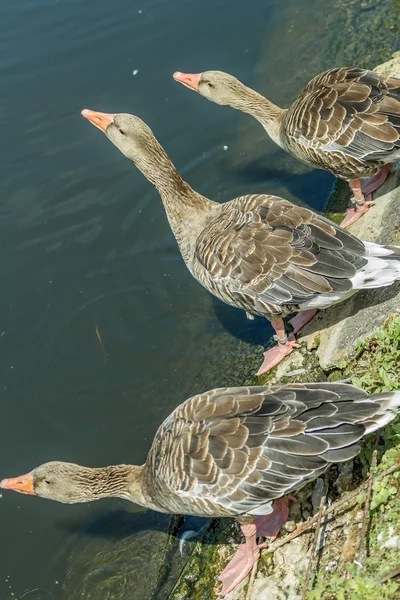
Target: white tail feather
pixel 380 422
pixel 378 272
pixel 394 400
pixel 389 401
pixel 378 250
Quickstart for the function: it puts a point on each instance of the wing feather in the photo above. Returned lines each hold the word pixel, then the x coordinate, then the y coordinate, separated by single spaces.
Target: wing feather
pixel 266 255
pixel 254 444
pixel 345 112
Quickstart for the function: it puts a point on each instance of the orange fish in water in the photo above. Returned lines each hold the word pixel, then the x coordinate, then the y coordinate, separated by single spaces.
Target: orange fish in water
pixel 101 343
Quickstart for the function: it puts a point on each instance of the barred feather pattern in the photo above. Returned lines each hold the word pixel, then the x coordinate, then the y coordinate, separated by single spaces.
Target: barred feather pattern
pixel 267 256
pixel 232 451
pixel 346 120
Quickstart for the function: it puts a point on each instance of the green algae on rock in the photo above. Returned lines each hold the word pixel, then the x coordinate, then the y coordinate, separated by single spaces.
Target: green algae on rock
pixel 198 580
pixel 339 580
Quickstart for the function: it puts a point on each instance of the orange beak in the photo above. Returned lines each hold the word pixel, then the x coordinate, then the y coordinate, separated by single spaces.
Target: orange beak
pixel 98 119
pixel 22 484
pixel 189 80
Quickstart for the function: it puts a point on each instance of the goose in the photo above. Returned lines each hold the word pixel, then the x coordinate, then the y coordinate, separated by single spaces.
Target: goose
pixel 231 452
pixel 257 252
pixel 345 120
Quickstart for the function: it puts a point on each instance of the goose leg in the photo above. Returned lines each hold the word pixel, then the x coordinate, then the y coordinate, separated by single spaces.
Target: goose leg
pixel 375 182
pixel 302 317
pixel 269 525
pixel 362 205
pixel 241 564
pixel 284 347
pixel 363 194
pixel 248 554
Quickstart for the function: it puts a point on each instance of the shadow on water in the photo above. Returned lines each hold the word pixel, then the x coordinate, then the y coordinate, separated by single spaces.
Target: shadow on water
pixel 254 332
pixel 258 332
pixel 117 524
pixel 114 524
pixel 298 185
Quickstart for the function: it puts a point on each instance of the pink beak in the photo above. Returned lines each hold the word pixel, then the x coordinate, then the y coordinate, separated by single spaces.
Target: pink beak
pixel 190 80
pixel 22 484
pixel 98 119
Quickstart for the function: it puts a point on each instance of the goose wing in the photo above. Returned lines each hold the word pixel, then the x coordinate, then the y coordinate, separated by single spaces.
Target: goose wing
pixel 232 450
pixel 352 111
pixel 262 252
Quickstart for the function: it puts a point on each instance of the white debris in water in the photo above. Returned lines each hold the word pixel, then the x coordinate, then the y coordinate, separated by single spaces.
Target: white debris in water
pixel 225 147
pixel 140 12
pixel 186 535
pixel 1 495
pixel 135 72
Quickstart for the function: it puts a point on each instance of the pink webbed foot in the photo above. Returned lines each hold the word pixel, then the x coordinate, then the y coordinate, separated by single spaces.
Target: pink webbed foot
pixel 269 525
pixel 248 554
pixel 302 317
pixel 276 354
pixel 238 568
pixel 353 214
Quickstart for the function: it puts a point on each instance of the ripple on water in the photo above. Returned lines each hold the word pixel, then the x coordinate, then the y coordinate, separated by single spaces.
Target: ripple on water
pixel 125 566
pixel 36 594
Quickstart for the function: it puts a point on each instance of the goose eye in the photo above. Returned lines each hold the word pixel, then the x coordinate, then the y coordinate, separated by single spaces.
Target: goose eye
pixel 47 481
pixel 121 132
pixel 210 85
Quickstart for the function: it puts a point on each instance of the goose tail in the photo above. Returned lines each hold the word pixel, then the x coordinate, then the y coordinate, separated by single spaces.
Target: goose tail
pixel 382 268
pixel 388 403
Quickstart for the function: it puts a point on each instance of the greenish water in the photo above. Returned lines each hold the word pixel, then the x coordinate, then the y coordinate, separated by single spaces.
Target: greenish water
pixel 87 251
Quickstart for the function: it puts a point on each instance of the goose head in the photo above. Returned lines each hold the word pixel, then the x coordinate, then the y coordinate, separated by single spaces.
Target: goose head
pixel 70 483
pixel 217 86
pixel 127 132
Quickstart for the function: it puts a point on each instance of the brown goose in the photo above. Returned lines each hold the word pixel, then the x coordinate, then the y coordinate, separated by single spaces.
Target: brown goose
pixel 230 452
pixel 257 252
pixel 346 120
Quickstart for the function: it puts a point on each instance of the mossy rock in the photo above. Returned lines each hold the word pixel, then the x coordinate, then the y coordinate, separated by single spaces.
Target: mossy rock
pixel 198 580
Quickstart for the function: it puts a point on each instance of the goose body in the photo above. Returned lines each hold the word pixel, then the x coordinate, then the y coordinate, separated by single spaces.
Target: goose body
pixel 230 452
pixel 345 120
pixel 257 252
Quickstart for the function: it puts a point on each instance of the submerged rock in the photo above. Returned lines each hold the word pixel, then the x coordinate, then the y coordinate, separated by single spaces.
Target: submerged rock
pixel 115 560
pixel 391 67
